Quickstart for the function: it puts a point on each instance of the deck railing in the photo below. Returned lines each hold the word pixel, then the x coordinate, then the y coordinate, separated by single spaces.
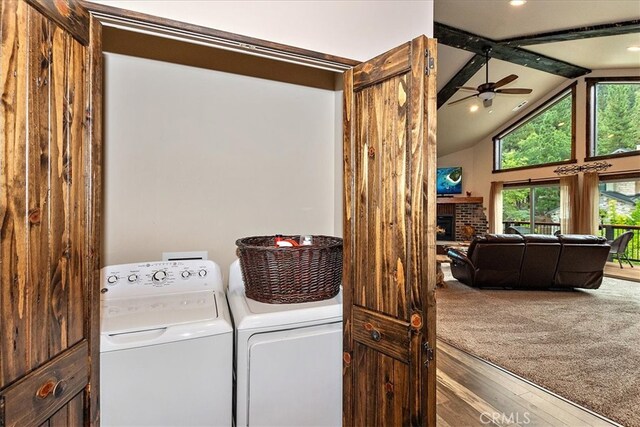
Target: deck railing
pixel 611 231
pixel 538 227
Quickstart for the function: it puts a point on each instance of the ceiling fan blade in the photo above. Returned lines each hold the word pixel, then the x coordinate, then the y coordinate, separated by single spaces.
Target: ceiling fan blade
pixel 467 88
pixel 487 102
pixel 505 81
pixel 515 91
pixel 462 99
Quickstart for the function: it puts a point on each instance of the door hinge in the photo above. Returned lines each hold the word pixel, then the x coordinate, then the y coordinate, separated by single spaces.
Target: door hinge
pixel 430 63
pixel 428 354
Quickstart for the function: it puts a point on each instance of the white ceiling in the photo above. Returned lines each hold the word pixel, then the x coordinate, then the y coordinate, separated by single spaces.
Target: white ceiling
pixel 458 128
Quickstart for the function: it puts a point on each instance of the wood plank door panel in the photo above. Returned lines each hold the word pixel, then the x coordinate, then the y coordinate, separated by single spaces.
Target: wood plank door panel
pixel 50 63
pixel 389 242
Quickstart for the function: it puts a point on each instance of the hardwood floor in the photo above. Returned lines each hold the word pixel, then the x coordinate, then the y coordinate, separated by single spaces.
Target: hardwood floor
pixel 471 392
pixel 612 269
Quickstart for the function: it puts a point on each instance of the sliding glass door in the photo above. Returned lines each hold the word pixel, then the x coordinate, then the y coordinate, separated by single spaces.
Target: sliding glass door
pixel 531 209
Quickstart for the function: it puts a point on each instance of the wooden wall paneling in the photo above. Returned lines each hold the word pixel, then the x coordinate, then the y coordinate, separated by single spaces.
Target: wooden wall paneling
pixel 92 214
pixel 415 235
pixel 348 244
pixel 40 45
pixel 424 213
pixel 73 178
pixel 58 194
pixel 391 63
pixel 430 216
pixel 68 14
pixel 74 175
pixel 13 246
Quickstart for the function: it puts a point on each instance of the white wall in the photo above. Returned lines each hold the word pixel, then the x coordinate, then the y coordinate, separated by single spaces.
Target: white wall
pixel 479 158
pixel 352 29
pixel 195 159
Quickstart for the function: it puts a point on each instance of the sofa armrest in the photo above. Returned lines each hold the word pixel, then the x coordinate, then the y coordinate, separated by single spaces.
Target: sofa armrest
pixel 461 266
pixel 459 256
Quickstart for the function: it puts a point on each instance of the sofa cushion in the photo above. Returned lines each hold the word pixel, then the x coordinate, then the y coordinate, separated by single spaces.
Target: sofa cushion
pixel 541 238
pixel 497 264
pixel 540 261
pixel 582 239
pixel 582 265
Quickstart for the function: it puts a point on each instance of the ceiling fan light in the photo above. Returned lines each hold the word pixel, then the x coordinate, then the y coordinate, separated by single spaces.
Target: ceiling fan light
pixel 486 95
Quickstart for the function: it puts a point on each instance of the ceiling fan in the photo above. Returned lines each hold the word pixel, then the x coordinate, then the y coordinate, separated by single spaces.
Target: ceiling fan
pixel 488 90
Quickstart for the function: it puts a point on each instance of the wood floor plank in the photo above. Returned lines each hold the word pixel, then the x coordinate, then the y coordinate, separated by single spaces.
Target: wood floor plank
pixel 469 387
pixel 509 408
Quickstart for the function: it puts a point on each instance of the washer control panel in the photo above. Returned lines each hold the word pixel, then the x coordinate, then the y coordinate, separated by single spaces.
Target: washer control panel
pixel 158 277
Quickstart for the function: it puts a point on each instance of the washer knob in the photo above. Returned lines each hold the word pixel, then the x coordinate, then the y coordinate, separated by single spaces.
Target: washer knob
pixel 202 273
pixel 132 278
pixel 112 279
pixel 186 274
pixel 159 276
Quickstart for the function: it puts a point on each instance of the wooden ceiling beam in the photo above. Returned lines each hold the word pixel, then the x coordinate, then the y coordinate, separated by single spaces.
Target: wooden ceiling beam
pixel 602 30
pixel 461 39
pixel 461 78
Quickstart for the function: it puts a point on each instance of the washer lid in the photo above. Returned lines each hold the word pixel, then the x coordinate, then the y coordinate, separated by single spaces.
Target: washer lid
pixel 136 322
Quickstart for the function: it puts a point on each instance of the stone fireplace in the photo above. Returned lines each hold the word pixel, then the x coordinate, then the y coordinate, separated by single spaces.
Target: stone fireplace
pixel 458 213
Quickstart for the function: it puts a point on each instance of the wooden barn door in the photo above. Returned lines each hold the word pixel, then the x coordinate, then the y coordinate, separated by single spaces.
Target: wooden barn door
pixel 389 238
pixel 50 65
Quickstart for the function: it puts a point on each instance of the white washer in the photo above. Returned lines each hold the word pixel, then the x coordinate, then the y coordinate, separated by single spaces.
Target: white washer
pixel 166 346
pixel 288 362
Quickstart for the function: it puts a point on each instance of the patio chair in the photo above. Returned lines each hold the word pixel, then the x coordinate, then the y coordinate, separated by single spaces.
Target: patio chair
pixel 515 229
pixel 619 247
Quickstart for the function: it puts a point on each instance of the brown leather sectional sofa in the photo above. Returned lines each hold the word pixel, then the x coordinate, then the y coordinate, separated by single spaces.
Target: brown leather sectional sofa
pixel 531 261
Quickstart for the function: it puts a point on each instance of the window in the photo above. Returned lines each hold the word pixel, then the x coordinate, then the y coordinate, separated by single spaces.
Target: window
pixel 619 207
pixel 613 119
pixel 531 209
pixel 544 137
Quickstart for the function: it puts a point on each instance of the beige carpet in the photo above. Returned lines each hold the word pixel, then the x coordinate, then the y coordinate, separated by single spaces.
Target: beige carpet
pixel 583 345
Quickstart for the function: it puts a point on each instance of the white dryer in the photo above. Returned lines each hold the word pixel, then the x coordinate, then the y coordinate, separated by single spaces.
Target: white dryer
pixel 288 360
pixel 166 347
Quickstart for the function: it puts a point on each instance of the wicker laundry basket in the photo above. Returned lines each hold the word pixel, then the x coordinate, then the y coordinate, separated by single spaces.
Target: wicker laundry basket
pixel 290 274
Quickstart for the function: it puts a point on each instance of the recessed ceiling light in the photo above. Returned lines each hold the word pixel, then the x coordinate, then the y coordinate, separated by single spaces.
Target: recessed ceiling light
pixel 473 108
pixel 517 2
pixel 519 106
pixel 633 48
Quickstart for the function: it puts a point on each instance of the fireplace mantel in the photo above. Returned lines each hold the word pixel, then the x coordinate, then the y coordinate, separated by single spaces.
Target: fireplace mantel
pixel 458 200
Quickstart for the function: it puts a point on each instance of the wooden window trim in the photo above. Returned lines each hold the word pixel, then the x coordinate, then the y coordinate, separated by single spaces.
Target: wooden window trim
pixel 590 117
pixel 619 176
pixel 531 115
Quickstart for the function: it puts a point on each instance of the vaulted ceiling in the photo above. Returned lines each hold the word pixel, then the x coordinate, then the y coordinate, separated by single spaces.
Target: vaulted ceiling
pixel 578 38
